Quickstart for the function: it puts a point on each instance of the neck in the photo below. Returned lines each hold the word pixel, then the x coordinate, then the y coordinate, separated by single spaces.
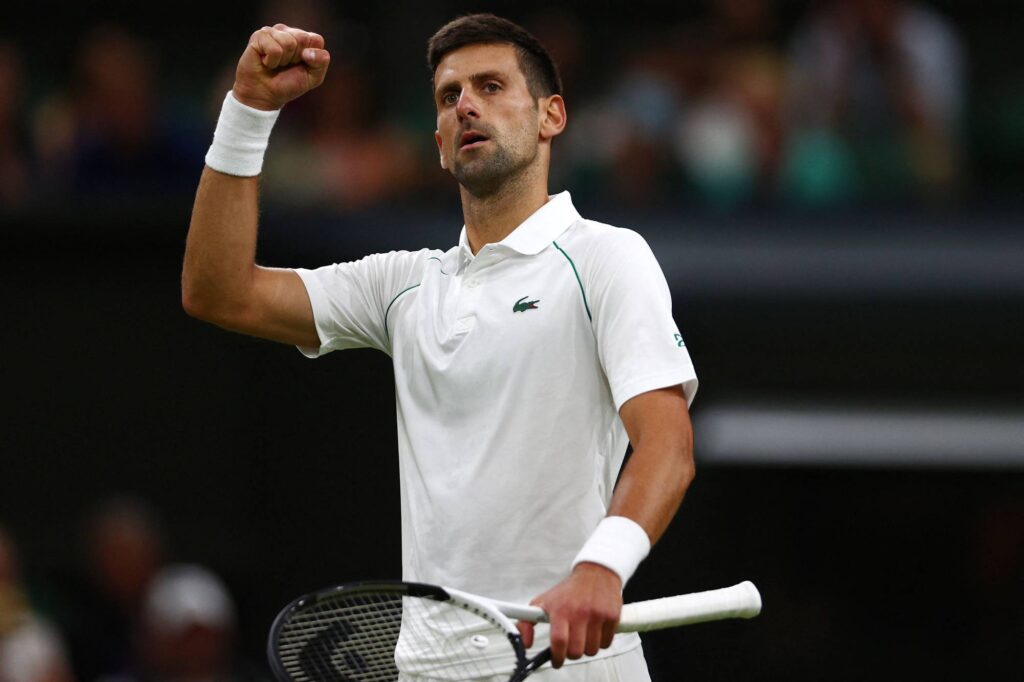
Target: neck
pixel 492 217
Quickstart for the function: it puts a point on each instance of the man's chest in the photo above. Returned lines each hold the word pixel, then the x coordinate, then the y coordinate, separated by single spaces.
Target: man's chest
pixel 494 323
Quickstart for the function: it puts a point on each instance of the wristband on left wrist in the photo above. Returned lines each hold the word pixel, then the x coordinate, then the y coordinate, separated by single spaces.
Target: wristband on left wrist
pixel 619 544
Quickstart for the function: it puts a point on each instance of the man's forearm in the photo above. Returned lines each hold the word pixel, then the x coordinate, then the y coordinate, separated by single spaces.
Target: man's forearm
pixel 653 484
pixel 657 475
pixel 584 608
pixel 221 247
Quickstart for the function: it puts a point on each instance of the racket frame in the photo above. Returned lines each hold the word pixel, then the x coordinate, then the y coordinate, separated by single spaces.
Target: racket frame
pixel 496 612
pixel 738 601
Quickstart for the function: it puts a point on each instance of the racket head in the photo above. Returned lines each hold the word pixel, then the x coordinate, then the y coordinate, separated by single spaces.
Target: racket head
pixel 352 632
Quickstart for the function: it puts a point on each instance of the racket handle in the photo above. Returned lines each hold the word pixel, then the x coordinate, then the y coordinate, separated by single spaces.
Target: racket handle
pixel 739 601
pixel 530 614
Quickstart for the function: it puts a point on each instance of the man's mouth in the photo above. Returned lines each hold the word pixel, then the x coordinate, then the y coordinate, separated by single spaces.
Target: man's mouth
pixel 472 139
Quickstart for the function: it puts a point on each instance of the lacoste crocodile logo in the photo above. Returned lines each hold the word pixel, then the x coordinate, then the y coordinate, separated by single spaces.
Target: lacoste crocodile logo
pixel 522 304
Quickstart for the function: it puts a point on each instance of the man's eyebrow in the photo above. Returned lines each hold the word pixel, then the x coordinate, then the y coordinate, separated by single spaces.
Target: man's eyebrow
pixel 447 86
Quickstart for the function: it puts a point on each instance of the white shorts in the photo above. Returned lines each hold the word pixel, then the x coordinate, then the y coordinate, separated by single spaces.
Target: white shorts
pixel 627 667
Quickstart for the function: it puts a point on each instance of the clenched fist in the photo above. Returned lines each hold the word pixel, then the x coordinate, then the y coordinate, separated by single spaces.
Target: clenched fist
pixel 279 64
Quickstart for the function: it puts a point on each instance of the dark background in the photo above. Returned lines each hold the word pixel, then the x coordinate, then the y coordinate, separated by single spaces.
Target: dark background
pixel 280 474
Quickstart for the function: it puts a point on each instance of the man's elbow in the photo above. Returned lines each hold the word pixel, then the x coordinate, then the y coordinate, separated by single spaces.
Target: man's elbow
pixel 190 305
pixel 687 465
pixel 690 472
pixel 195 305
pixel 206 308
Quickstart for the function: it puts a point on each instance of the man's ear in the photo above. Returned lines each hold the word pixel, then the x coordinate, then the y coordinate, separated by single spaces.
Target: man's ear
pixel 553 116
pixel 440 149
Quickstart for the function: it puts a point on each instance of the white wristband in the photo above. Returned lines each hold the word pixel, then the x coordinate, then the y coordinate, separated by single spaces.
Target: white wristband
pixel 240 139
pixel 619 544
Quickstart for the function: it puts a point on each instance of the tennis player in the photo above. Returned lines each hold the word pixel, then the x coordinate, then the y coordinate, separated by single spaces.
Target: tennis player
pixel 525 357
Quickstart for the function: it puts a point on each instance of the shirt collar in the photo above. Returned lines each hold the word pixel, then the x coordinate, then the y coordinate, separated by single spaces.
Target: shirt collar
pixel 537 231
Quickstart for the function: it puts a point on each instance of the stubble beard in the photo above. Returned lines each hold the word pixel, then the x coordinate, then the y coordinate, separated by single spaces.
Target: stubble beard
pixel 491 172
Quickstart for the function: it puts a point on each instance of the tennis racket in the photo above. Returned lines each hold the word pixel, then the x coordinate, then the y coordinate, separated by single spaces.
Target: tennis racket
pixel 369 631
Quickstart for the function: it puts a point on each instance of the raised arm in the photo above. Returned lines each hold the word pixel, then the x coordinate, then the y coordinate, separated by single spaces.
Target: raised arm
pixel 220 281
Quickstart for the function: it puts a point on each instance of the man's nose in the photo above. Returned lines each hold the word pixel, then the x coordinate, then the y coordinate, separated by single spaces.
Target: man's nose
pixel 467 106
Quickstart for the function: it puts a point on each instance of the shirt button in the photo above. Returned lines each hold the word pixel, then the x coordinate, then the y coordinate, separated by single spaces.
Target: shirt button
pixel 472 283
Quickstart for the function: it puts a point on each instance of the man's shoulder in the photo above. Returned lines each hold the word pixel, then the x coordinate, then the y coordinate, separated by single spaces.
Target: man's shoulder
pixel 385 269
pixel 595 239
pixel 416 255
pixel 404 260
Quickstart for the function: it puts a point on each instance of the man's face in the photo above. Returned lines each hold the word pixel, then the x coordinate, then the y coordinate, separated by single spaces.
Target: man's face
pixel 488 123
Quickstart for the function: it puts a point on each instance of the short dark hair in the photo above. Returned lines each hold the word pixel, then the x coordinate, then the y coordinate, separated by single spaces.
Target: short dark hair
pixel 473 29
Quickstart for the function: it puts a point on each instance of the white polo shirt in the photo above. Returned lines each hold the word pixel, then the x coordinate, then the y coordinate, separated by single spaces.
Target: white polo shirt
pixel 510 368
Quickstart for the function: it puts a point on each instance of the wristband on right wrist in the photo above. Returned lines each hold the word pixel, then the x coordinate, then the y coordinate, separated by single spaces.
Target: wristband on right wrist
pixel 241 138
pixel 619 544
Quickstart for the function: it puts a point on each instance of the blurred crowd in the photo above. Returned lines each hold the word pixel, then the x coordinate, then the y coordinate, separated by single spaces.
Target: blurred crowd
pixel 744 102
pixel 859 98
pixel 129 614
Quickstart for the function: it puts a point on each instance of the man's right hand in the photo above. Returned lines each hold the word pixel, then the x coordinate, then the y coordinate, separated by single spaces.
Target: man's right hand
pixel 279 64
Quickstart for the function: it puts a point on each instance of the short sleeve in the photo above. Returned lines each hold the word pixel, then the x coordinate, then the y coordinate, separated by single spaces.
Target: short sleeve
pixel 351 300
pixel 639 343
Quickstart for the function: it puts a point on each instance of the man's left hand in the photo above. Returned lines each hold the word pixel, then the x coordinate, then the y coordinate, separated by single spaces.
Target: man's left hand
pixel 583 611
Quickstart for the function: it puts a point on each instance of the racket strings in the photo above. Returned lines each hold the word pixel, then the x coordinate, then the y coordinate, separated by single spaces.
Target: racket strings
pixel 336 641
pixel 368 637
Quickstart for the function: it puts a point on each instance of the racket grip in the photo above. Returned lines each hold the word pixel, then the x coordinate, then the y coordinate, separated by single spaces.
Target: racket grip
pixel 739 601
pixel 530 614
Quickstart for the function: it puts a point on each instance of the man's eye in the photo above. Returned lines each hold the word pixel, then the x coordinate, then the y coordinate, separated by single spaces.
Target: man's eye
pixel 492 87
pixel 450 98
